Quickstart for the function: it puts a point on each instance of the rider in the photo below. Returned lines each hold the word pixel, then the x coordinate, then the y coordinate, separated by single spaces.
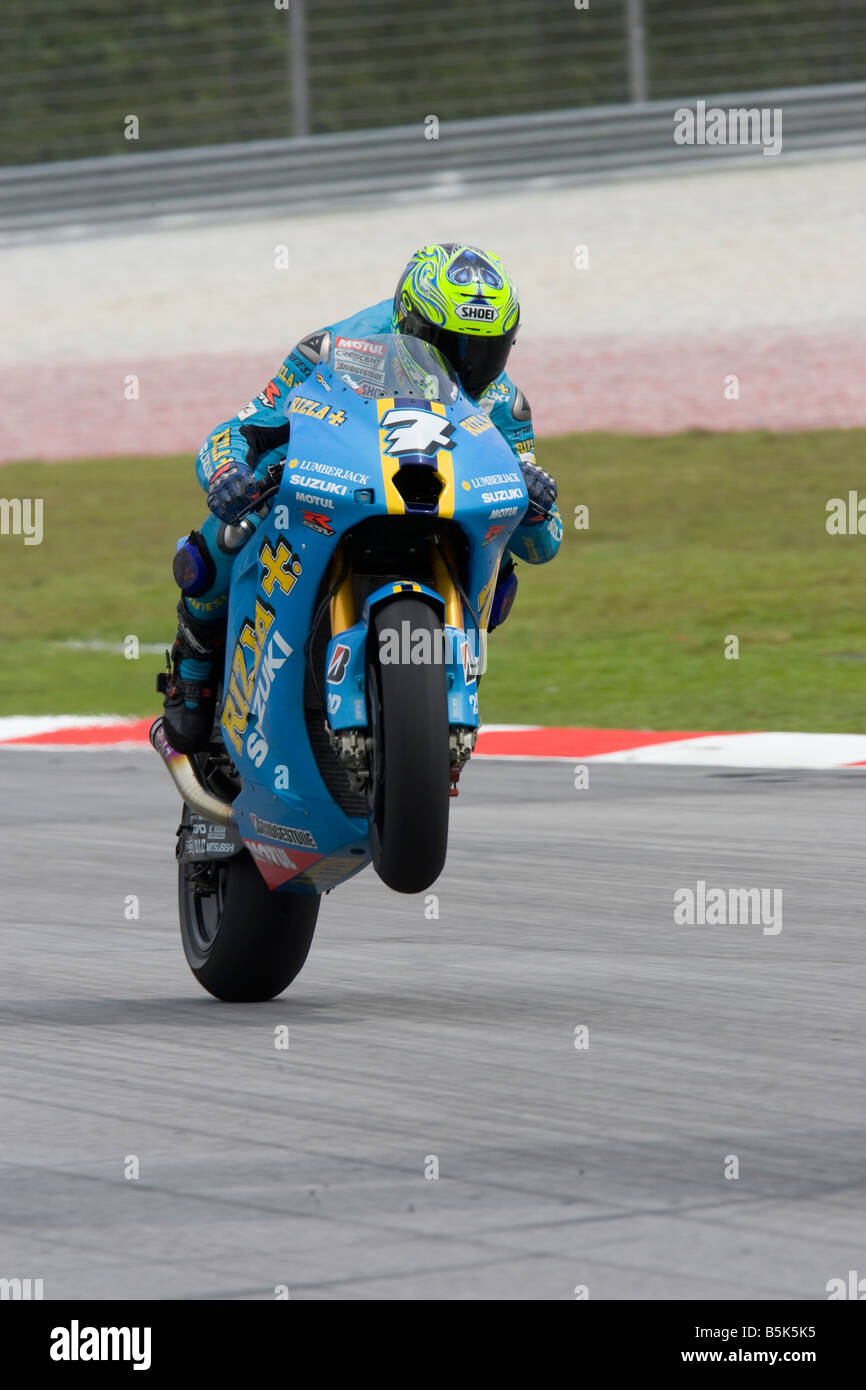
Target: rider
pixel 455 297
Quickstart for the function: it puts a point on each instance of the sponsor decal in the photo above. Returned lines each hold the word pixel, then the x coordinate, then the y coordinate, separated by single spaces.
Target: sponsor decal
pixel 206 828
pixel 411 431
pixel 503 511
pixel 248 410
pixel 330 470
pixel 317 501
pixel 524 446
pixel 259 654
pixel 320 378
pixel 220 447
pixel 554 527
pixel 507 494
pixel 370 390
pixel 270 665
pixel 280 566
pixel 269 396
pixel 314 346
pixel 277 865
pixel 302 405
pixel 339 662
pixel 482 312
pixel 362 345
pixel 470 663
pixel 195 845
pixel 495 479
pixel 477 424
pixel 271 854
pixel 285 376
pixel 249 650
pixel 205 837
pixel 363 359
pixel 317 410
pixel 318 521
pixel 497 392
pixel 358 376
pixel 320 484
pixel 287 833
pixel 334 703
pixel 200 607
pixel 492 533
pixel 371 365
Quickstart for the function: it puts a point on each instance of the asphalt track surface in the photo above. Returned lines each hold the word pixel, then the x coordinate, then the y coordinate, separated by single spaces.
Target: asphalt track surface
pixel 411 1037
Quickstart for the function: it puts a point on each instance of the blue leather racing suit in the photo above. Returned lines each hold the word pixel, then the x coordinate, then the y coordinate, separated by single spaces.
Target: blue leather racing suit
pixel 259 436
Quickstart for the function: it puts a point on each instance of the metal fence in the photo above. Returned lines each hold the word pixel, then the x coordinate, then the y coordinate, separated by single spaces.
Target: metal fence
pixel 395 164
pixel 208 72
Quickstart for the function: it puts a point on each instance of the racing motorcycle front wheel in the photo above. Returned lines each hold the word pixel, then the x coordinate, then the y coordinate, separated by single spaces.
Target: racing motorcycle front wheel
pixel 408 790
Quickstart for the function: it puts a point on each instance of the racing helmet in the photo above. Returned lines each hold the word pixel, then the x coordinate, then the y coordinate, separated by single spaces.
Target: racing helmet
pixel 460 300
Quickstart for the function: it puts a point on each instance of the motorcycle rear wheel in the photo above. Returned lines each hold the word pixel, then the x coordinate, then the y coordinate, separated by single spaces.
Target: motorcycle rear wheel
pixel 243 942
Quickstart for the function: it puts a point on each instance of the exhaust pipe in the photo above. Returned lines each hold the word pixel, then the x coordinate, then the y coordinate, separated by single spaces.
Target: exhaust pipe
pixel 182 773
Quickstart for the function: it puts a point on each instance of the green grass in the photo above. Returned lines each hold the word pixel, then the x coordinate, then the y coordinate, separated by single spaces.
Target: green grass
pixel 691 538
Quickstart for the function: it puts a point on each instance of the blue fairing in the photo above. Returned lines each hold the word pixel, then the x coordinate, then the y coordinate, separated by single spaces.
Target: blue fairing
pixel 346 449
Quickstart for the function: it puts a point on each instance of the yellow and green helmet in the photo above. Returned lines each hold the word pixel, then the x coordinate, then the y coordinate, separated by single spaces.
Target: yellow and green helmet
pixel 460 300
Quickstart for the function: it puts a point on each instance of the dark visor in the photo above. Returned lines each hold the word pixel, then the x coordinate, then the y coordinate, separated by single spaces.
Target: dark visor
pixel 477 361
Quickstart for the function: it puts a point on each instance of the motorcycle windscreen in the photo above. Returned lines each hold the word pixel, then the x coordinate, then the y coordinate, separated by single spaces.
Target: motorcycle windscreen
pixel 383 365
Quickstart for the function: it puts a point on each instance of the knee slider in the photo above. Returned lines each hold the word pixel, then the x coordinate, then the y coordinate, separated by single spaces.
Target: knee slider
pixel 193 566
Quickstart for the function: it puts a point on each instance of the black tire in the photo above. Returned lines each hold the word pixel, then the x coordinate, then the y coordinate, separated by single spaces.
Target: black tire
pixel 244 943
pixel 409 787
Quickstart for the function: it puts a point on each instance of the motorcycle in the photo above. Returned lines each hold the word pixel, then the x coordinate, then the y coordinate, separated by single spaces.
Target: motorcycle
pixel 359 607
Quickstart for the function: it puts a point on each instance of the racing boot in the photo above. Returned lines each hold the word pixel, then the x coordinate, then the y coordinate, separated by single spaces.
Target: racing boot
pixel 190 681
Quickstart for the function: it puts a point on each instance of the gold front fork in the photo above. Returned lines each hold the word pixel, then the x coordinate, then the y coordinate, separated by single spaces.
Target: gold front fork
pixel 444 584
pixel 343 606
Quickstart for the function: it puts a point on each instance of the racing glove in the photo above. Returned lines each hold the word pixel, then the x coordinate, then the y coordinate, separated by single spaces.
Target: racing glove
pixel 541 488
pixel 230 491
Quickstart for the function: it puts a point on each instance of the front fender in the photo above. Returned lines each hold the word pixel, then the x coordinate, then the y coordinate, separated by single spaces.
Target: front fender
pixel 346 665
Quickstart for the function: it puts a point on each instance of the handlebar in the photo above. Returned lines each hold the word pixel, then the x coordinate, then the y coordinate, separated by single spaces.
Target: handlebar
pixel 272 480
